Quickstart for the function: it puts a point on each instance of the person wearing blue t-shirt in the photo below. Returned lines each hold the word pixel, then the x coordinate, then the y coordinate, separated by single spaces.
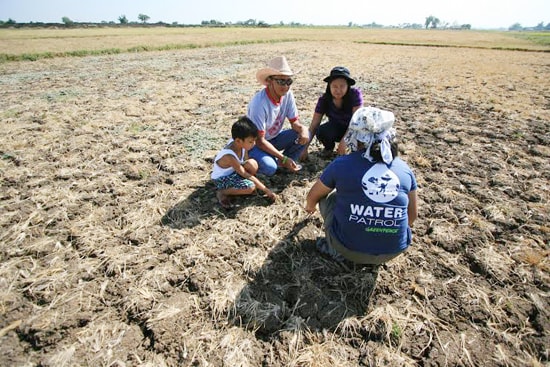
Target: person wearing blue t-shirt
pixel 338 104
pixel 368 198
pixel 276 147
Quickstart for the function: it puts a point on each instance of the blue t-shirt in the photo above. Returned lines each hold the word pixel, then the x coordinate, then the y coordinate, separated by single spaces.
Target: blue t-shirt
pixel 370 213
pixel 334 114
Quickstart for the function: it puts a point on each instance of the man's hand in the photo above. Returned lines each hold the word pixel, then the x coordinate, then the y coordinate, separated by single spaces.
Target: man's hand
pixel 303 139
pixel 290 164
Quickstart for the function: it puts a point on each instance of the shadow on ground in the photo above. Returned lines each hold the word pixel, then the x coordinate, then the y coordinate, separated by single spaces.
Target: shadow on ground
pixel 298 288
pixel 201 203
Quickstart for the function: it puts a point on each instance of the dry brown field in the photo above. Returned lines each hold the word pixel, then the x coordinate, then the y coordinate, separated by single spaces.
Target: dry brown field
pixel 114 251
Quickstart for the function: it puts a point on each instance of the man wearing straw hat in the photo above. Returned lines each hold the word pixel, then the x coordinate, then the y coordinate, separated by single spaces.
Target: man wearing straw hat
pixel 276 148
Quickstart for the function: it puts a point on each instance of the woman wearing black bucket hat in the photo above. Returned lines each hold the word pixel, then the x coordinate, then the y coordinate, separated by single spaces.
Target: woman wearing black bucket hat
pixel 338 104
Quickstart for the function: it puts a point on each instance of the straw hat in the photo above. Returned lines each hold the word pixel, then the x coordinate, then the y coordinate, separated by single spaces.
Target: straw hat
pixel 276 66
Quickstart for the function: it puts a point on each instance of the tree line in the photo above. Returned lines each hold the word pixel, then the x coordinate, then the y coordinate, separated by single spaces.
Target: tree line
pixel 431 22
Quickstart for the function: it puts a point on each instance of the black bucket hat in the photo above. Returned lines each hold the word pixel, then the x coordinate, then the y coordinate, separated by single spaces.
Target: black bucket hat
pixel 340 72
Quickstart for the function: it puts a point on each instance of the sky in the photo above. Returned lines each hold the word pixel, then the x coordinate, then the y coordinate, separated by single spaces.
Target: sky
pixel 480 14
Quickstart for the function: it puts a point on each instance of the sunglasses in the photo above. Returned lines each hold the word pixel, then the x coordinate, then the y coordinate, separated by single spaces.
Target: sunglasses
pixel 283 82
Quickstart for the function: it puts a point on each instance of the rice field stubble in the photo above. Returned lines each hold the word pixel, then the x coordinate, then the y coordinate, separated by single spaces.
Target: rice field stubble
pixel 114 251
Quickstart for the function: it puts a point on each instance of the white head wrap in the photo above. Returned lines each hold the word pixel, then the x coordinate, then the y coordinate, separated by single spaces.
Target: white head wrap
pixel 368 125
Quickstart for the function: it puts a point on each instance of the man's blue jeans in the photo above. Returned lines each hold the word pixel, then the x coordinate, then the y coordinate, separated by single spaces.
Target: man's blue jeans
pixel 285 141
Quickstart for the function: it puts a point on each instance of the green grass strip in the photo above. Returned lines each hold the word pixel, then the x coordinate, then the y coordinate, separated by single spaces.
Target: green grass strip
pixel 451 46
pixel 143 48
pixel 540 38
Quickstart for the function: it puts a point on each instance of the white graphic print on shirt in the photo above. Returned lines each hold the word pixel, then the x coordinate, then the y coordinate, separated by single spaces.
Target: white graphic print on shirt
pixel 380 184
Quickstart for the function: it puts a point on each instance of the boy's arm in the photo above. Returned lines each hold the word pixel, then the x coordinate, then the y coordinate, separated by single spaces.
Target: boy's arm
pixel 230 160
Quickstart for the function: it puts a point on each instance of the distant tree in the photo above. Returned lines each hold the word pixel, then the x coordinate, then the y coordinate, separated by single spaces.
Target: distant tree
pixel 428 21
pixel 122 19
pixel 373 25
pixel 11 21
pixel 515 27
pixel 67 21
pixel 143 18
pixel 411 26
pixel 466 26
pixel 547 27
pixel 211 22
pixel 431 22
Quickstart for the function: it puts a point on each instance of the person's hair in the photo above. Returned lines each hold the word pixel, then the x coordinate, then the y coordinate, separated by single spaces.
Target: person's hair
pixel 376 154
pixel 347 97
pixel 244 128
